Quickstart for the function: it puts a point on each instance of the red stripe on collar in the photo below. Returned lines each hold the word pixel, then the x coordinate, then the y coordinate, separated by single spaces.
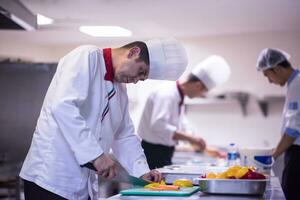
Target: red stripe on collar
pixel 180 93
pixel 109 76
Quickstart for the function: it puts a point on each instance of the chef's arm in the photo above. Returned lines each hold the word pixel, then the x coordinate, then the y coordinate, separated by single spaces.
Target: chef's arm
pixel 182 136
pixel 285 142
pixel 127 145
pixel 197 142
pixel 74 79
pixel 291 127
pixel 291 132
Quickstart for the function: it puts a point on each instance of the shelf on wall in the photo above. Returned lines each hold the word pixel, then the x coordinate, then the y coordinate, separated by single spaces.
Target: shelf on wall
pixel 242 98
pixel 267 100
pixel 237 97
pixel 209 101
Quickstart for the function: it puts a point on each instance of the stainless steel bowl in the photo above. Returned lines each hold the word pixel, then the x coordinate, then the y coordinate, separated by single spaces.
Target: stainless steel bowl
pixel 233 186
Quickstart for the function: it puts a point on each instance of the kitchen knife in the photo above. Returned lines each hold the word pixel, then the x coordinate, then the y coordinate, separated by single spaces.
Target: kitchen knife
pixel 122 175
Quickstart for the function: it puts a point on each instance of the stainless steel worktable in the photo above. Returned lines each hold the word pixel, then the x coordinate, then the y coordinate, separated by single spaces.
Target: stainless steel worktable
pixel 273 192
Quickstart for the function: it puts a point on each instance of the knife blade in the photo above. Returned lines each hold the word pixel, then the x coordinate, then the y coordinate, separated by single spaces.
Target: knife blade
pixel 122 175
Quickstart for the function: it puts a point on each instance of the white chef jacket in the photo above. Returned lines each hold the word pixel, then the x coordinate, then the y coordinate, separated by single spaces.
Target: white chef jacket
pixel 162 115
pixel 82 117
pixel 291 112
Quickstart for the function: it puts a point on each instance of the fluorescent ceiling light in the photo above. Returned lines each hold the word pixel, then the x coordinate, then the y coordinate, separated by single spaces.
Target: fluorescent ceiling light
pixel 43 20
pixel 105 31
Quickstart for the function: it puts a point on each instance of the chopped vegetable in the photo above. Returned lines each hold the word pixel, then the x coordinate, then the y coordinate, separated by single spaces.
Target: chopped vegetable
pixel 161 186
pixel 164 187
pixel 211 175
pixel 236 172
pixel 183 183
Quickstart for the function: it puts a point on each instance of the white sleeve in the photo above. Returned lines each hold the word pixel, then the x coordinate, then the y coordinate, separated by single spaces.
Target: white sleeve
pixel 127 147
pixel 184 123
pixel 161 116
pixel 76 71
pixel 292 119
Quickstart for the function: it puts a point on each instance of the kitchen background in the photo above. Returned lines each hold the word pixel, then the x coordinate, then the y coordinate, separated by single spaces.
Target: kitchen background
pixel 248 110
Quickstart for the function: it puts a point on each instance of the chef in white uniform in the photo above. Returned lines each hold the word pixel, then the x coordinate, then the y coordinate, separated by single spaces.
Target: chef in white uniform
pixel 275 65
pixel 162 122
pixel 85 115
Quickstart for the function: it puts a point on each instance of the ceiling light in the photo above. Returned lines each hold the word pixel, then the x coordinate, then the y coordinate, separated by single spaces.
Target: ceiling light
pixel 43 20
pixel 105 31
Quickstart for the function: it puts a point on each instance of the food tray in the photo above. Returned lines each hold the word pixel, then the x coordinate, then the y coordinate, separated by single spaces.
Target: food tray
pixel 233 186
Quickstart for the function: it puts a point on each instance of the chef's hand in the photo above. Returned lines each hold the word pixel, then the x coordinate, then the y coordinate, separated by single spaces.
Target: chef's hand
pixel 214 153
pixel 153 175
pixel 198 143
pixel 105 166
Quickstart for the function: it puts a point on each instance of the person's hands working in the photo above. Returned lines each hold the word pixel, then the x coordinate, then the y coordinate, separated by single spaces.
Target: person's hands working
pixel 153 175
pixel 214 152
pixel 198 143
pixel 105 166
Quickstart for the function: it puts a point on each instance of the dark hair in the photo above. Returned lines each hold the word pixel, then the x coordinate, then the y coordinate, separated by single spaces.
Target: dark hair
pixel 144 54
pixel 285 64
pixel 192 78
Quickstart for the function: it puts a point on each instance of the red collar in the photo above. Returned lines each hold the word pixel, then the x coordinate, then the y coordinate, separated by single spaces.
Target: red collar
pixel 109 76
pixel 180 93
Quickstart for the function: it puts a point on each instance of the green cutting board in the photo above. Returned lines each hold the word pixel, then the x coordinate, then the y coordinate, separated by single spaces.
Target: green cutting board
pixel 146 192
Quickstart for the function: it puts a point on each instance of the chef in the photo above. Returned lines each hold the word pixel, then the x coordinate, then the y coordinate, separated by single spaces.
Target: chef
pixel 162 122
pixel 85 115
pixel 275 65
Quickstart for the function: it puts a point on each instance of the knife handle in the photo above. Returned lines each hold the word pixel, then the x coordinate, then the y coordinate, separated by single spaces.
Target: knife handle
pixel 89 165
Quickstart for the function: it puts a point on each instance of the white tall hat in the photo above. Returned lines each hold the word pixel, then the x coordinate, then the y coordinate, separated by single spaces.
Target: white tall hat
pixel 168 59
pixel 213 71
pixel 269 58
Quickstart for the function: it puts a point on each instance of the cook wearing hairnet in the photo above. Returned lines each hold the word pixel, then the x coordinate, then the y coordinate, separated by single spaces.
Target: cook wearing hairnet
pixel 85 115
pixel 275 66
pixel 269 58
pixel 162 123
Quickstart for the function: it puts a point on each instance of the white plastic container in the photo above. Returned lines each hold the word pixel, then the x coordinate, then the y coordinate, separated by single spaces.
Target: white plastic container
pixel 261 158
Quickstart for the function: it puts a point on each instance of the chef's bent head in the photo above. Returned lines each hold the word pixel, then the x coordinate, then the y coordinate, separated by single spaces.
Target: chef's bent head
pixel 212 72
pixel 275 65
pixel 205 76
pixel 162 59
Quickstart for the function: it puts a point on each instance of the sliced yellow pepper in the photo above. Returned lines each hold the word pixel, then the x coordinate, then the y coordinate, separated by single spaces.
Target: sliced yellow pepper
pixel 183 183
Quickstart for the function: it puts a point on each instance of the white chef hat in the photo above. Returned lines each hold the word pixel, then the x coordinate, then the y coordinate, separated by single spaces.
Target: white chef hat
pixel 269 58
pixel 168 59
pixel 213 71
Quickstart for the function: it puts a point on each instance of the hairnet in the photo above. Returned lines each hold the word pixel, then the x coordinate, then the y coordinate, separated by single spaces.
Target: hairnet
pixel 269 58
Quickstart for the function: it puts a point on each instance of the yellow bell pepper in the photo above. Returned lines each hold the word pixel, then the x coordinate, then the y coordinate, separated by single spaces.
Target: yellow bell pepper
pixel 183 183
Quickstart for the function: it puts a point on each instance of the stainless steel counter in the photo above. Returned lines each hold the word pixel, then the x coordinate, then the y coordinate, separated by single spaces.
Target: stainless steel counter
pixel 190 165
pixel 273 192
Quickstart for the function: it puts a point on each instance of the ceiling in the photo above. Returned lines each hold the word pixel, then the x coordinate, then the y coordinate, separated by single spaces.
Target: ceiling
pixel 152 18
